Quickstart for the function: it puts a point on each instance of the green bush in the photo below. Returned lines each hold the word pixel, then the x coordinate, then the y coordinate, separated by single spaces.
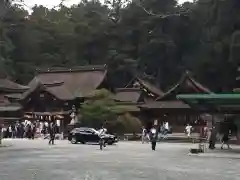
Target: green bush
pixel 129 124
pixel 99 108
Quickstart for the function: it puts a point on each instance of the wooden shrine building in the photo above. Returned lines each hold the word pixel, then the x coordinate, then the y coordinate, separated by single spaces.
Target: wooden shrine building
pixel 147 94
pixel 150 92
pixel 129 99
pixel 168 108
pixel 10 109
pixel 54 92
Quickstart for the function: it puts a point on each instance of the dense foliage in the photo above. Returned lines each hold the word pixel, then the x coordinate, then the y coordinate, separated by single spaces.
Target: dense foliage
pixel 99 109
pixel 149 37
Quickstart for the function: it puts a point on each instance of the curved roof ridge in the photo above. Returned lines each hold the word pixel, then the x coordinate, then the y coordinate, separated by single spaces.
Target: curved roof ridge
pixel 54 83
pixel 34 84
pixel 67 85
pixel 127 89
pixel 11 85
pixel 186 76
pixel 151 87
pixel 173 87
pixel 196 83
pixel 73 69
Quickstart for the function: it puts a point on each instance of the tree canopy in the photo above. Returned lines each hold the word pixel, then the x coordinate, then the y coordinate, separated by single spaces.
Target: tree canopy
pixel 99 109
pixel 156 38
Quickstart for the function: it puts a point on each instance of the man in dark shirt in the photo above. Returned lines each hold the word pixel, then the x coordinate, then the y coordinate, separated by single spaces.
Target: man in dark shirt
pixel 153 137
pixel 52 127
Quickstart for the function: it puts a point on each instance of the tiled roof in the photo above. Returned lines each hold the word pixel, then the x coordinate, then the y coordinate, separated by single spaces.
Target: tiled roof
pixel 10 86
pixel 10 107
pixel 128 94
pixel 151 87
pixel 148 86
pixel 187 84
pixel 68 84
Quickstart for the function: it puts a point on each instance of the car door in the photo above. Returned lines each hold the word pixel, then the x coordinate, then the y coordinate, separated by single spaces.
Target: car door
pixel 80 135
pixel 87 135
pixel 95 136
pixel 92 136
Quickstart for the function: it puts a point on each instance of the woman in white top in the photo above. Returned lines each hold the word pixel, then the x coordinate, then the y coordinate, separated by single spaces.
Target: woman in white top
pixel 188 130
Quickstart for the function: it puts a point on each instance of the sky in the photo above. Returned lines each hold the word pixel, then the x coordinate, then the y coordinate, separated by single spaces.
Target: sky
pixel 52 3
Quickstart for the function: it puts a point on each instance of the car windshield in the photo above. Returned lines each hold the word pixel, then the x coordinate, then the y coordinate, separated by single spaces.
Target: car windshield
pixel 86 129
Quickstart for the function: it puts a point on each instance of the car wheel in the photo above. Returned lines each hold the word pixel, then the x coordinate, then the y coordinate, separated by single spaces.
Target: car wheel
pixel 110 143
pixel 82 142
pixel 74 140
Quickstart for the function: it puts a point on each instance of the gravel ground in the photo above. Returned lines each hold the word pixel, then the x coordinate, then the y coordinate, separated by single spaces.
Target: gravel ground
pixel 35 160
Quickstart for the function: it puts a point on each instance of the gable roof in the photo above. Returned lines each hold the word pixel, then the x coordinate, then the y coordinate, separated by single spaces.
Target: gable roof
pixel 128 94
pixel 68 84
pixel 187 82
pixel 9 86
pixel 149 86
pixel 10 107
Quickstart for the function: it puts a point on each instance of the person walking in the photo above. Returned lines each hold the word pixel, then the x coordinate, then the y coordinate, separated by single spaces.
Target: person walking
pixel 225 140
pixel 51 130
pixel 153 137
pixel 188 130
pixel 102 133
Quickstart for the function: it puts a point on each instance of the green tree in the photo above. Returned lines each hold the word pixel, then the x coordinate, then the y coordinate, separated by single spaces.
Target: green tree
pixel 100 108
pixel 156 38
pixel 128 124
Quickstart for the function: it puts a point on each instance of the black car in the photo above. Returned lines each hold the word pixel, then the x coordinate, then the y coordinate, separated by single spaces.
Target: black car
pixel 84 135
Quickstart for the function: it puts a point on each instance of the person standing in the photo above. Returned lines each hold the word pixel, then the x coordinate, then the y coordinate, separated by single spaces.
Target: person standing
pixel 166 130
pixel 28 131
pixel 212 138
pixel 33 130
pixel 225 140
pixel 22 130
pixel 153 137
pixel 10 131
pixel 51 129
pixel 144 135
pixel 3 131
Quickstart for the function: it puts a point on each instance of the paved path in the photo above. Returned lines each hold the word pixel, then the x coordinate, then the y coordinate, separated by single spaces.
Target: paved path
pixel 35 160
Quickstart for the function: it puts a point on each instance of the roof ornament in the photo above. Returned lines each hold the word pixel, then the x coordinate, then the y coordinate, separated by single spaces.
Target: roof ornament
pixel 136 84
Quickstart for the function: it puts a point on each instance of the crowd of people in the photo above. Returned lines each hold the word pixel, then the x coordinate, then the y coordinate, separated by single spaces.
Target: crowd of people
pixel 30 130
pixel 163 131
pixel 27 129
pixel 157 133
